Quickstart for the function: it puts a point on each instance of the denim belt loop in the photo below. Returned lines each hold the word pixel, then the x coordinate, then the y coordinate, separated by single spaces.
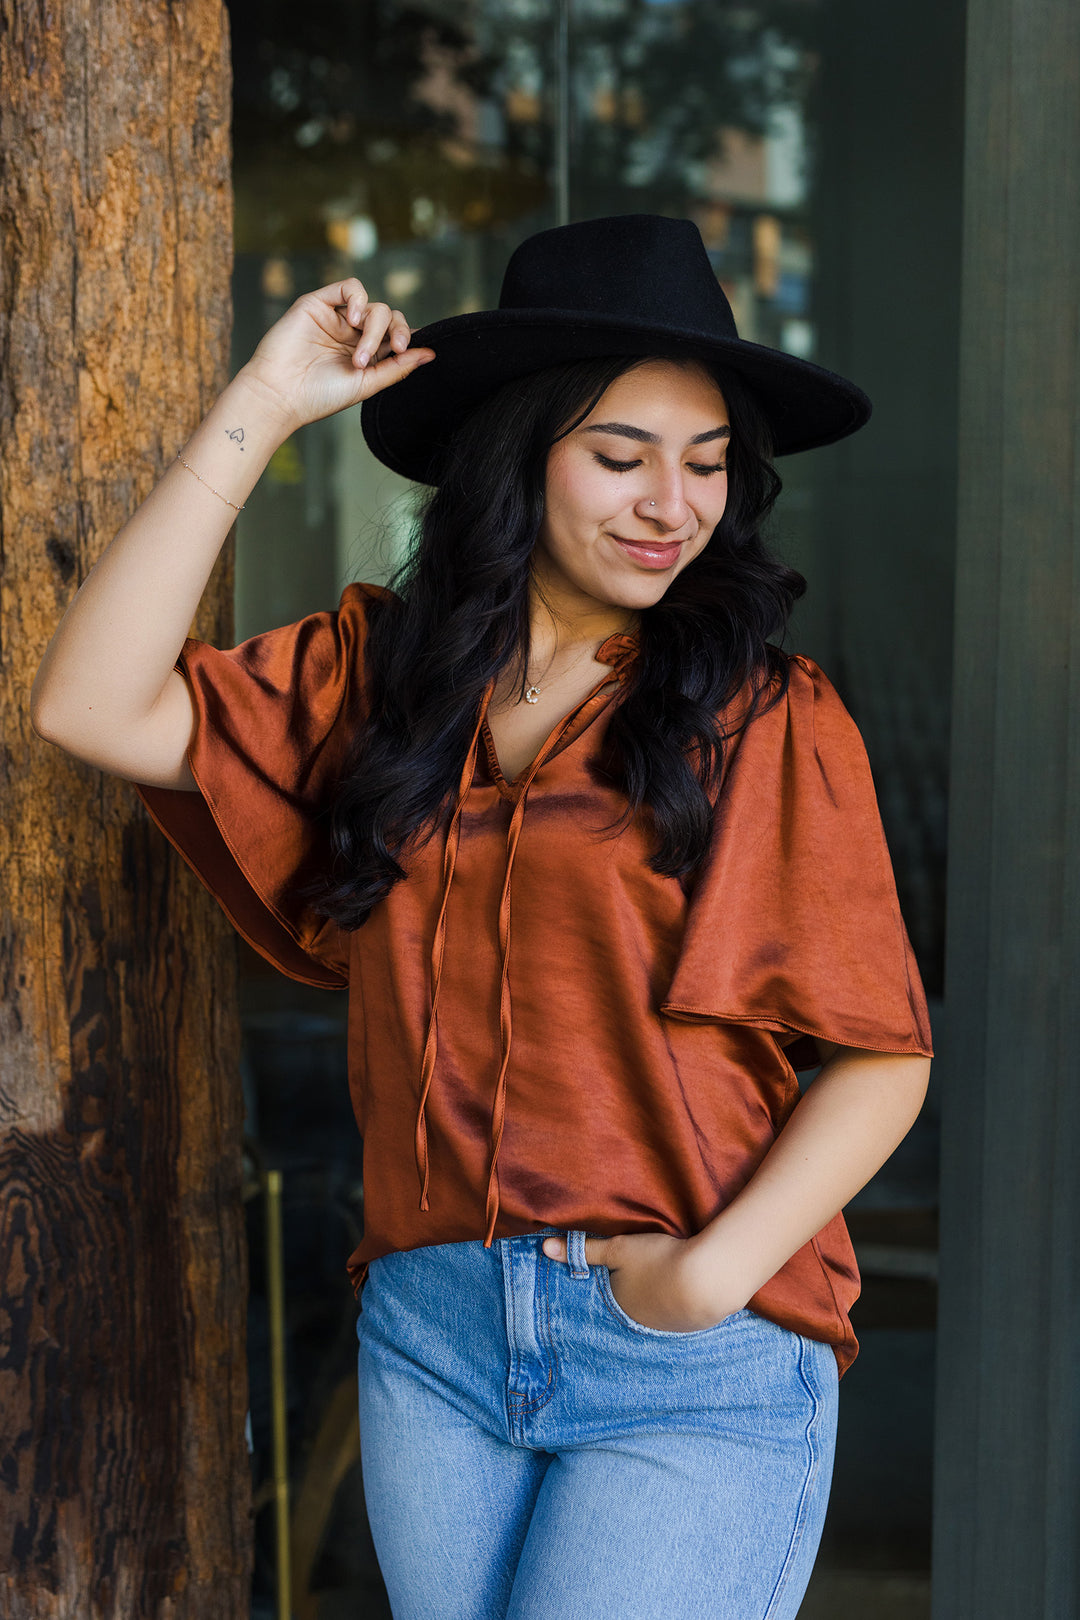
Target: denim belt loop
pixel 575 1254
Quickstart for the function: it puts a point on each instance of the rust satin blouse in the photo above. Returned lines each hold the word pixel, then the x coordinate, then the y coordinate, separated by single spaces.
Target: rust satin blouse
pixel 542 1031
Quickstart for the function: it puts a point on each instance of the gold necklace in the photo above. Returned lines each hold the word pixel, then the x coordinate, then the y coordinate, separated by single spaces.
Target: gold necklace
pixel 532 691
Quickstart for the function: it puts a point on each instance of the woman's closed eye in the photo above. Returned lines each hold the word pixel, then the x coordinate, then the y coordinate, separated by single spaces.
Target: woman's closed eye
pixel 616 466
pixel 701 470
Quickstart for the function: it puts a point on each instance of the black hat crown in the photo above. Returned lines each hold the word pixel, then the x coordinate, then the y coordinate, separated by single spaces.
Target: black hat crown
pixel 639 267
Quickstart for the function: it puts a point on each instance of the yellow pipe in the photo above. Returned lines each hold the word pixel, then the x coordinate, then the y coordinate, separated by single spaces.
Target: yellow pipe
pixel 275 1299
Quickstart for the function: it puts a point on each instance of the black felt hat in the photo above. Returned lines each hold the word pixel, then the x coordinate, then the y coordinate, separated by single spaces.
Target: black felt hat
pixel 637 284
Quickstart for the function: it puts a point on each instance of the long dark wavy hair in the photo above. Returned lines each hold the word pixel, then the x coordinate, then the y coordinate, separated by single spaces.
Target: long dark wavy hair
pixel 459 616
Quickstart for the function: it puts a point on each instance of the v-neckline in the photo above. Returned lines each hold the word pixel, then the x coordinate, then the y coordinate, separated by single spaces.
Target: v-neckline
pixel 615 653
pixel 571 723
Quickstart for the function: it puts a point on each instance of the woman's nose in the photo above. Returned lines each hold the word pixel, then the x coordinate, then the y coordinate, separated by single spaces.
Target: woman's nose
pixel 665 504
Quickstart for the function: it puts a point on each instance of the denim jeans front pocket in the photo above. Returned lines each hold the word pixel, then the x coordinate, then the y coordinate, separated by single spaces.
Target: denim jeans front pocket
pixel 694 1335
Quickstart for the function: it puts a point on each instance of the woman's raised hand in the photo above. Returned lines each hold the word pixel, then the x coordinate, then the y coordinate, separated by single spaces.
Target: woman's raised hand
pixel 331 349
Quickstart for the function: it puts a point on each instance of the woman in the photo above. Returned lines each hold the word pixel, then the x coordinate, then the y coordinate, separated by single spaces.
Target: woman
pixel 598 864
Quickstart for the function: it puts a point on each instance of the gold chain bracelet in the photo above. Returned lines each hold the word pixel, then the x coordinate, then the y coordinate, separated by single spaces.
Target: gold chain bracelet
pixel 210 487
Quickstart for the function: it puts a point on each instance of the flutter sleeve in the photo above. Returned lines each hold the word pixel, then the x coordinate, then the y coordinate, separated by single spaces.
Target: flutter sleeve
pixel 794 924
pixel 274 719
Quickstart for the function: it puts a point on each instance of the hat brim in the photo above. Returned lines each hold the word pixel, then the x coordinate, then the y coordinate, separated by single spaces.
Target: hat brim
pixel 408 425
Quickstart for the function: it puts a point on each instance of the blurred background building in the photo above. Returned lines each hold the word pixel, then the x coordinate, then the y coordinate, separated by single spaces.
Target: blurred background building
pixel 818 146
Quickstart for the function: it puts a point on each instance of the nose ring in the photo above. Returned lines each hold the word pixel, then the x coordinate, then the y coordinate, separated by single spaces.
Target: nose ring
pixel 652 503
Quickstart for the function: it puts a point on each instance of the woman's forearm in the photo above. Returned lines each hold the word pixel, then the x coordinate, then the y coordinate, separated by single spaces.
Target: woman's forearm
pixel 106 689
pixel 840 1133
pixel 115 647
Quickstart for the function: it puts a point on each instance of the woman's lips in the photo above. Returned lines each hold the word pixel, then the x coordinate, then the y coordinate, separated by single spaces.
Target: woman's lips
pixel 650 553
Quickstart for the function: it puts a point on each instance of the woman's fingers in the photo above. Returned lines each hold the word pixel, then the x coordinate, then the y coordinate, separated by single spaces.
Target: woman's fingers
pixel 398 336
pixel 342 300
pixel 376 324
pixel 400 333
pixel 597 1250
pixel 381 331
pixel 384 373
pixel 334 348
pixel 341 294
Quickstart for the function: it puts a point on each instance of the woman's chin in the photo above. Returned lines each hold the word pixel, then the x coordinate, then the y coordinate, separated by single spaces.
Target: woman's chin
pixel 635 590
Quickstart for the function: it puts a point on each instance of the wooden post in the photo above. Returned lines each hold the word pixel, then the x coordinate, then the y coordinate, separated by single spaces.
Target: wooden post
pixel 124 1490
pixel 1007 1485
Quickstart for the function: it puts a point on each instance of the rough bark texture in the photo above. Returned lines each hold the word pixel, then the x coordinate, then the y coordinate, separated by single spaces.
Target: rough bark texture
pixel 123 1470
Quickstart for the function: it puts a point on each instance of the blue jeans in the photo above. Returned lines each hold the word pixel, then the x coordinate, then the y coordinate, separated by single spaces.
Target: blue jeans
pixel 532 1453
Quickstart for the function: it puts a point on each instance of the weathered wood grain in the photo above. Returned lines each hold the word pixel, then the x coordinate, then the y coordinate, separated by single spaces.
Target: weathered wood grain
pixel 123 1470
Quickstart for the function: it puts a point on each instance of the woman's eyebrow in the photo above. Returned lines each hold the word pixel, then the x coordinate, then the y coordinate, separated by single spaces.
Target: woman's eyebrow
pixel 625 431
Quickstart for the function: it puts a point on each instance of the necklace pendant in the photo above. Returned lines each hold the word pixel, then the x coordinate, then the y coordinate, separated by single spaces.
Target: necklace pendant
pixel 532 695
